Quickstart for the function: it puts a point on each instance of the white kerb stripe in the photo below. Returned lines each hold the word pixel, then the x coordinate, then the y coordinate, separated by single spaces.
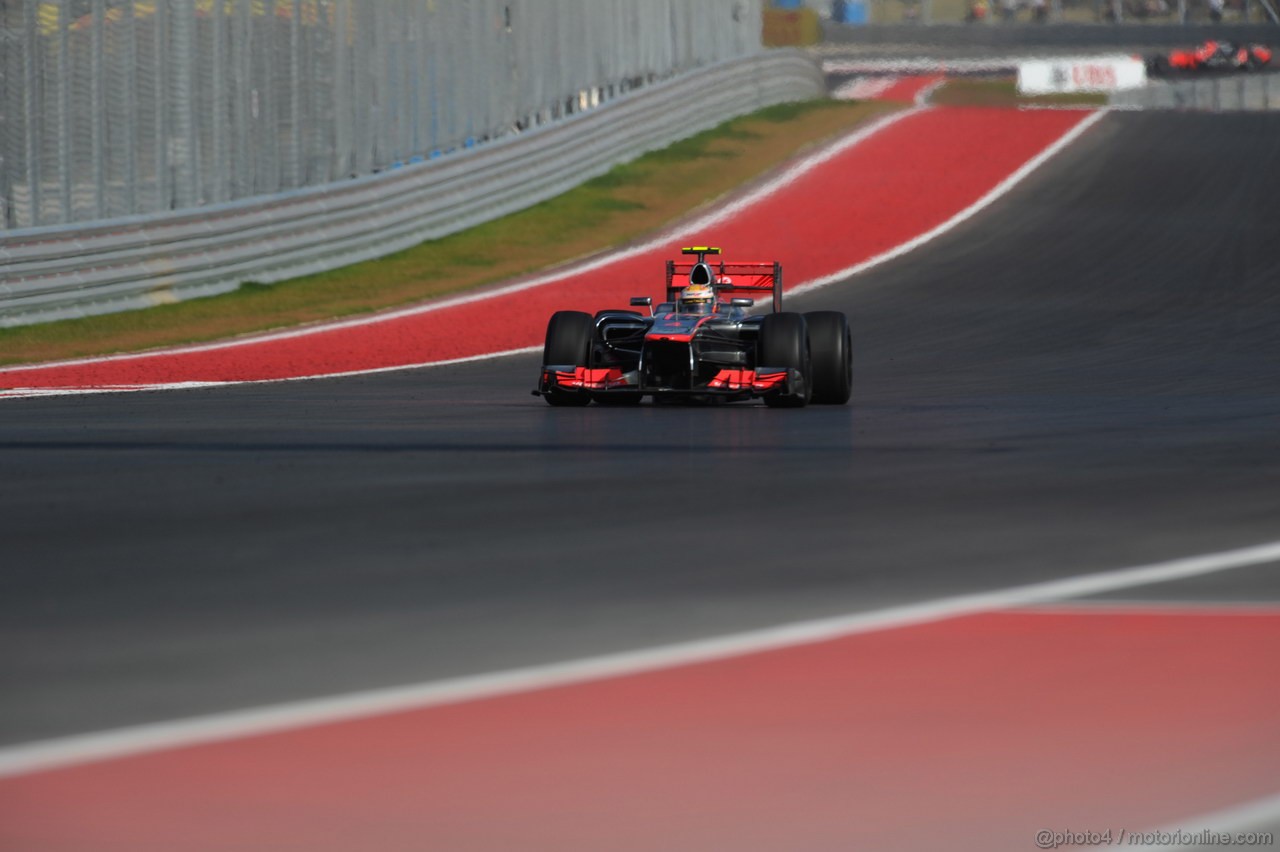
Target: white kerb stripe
pixel 66 751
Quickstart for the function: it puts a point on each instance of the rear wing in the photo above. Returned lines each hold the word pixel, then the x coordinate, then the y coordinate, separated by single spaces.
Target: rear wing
pixel 743 277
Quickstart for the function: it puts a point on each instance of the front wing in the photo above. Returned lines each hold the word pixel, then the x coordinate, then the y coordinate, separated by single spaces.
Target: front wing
pixel 730 383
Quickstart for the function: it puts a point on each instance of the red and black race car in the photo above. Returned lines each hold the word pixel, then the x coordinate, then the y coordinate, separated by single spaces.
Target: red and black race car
pixel 700 345
pixel 1213 55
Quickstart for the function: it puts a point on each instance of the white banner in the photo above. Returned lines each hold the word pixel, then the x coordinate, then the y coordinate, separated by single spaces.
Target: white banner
pixel 1094 74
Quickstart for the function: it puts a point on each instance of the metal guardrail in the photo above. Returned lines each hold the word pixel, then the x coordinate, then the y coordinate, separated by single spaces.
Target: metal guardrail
pixel 70 271
pixel 840 38
pixel 1238 92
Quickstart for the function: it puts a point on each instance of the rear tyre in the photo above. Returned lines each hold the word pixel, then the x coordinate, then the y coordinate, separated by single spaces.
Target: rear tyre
pixel 568 342
pixel 831 351
pixel 784 342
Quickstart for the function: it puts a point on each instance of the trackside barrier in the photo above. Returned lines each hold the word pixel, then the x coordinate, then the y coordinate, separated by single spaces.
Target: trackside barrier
pixel 1235 92
pixel 71 271
pixel 1022 36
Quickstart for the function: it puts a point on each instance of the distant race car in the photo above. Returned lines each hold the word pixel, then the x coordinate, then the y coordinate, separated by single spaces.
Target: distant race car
pixel 700 345
pixel 1213 55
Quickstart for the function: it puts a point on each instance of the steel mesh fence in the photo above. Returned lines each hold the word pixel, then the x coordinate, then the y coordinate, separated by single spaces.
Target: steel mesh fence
pixel 114 108
pixel 997 12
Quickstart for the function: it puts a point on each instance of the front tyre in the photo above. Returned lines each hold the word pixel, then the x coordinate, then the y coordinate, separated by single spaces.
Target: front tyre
pixel 784 342
pixel 831 351
pixel 568 342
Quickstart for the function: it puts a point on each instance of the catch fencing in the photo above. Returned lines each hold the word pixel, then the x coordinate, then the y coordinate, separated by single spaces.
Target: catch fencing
pixel 78 270
pixel 115 108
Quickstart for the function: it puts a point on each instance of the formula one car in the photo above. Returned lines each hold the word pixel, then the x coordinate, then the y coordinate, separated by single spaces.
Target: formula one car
pixel 700 345
pixel 1213 55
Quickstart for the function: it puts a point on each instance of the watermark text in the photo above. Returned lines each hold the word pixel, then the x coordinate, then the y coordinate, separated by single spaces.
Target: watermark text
pixel 1050 839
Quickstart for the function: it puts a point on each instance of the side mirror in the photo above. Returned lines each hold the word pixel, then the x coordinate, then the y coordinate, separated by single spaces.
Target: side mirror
pixel 741 302
pixel 643 302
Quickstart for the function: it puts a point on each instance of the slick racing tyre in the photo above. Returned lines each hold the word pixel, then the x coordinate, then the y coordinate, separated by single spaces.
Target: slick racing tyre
pixel 568 342
pixel 784 342
pixel 831 353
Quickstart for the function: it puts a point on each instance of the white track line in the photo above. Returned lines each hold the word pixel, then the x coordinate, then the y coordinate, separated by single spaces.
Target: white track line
pixel 33 393
pixel 1190 609
pixel 862 88
pixel 1259 814
pixel 86 748
pixel 925 95
pixel 727 211
pixel 998 191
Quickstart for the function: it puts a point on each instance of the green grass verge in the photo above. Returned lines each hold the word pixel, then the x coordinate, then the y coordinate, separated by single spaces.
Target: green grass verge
pixel 622 206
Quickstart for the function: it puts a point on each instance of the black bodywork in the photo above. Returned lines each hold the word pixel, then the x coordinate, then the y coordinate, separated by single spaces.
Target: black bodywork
pixel 673 353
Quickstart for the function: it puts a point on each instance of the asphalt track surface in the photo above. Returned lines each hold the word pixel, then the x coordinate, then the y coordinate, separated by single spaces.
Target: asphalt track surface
pixel 1082 377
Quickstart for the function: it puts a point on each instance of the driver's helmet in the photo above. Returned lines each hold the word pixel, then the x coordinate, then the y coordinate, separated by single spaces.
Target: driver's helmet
pixel 697 299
